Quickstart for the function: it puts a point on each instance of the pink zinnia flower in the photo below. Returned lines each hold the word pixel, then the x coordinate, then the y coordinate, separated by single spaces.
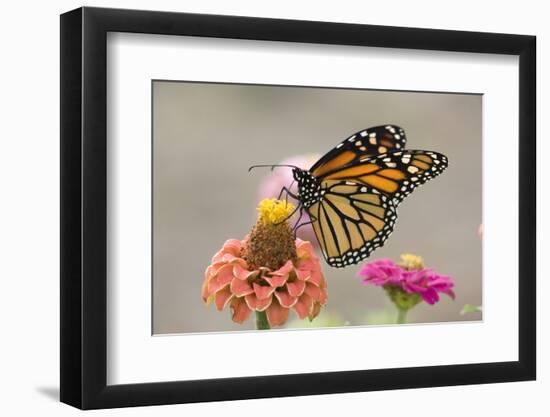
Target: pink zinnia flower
pixel 267 272
pixel 428 284
pixel 410 276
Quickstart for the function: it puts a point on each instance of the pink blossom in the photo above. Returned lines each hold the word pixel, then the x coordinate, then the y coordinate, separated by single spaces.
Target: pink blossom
pixel 424 282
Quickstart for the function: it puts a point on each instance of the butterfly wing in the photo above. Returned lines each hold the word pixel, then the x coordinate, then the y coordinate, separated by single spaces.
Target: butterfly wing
pixel 394 174
pixel 350 221
pixel 358 208
pixel 365 143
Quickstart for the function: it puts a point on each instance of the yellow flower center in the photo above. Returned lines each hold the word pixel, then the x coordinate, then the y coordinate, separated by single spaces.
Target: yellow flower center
pixel 273 211
pixel 271 241
pixel 411 262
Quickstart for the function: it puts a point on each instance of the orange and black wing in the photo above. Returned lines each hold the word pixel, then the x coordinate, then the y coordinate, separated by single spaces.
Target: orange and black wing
pixel 365 143
pixel 358 208
pixel 350 221
pixel 394 174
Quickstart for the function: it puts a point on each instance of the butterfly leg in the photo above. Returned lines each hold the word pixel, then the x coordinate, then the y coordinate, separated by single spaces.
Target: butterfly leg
pixel 291 214
pixel 288 193
pixel 298 221
pixel 313 219
pixel 287 190
pixel 290 188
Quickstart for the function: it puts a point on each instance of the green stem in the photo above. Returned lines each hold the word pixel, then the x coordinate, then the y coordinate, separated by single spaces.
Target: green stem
pixel 401 316
pixel 261 321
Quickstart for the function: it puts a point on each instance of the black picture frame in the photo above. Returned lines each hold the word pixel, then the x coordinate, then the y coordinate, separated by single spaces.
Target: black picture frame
pixel 84 207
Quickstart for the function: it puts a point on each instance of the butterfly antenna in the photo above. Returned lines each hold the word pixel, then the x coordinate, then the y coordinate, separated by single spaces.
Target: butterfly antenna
pixel 271 166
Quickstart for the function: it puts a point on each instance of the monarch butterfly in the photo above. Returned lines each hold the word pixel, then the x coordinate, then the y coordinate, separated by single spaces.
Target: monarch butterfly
pixel 351 194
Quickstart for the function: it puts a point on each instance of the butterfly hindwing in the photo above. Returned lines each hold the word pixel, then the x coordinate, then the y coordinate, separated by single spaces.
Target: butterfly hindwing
pixel 365 143
pixel 350 221
pixel 394 174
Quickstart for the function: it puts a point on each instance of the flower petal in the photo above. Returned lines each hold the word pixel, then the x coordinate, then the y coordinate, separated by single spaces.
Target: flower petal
pixel 217 258
pixel 204 291
pixel 254 303
pixel 303 274
pixel 440 282
pixel 316 277
pixel 285 299
pixel 305 249
pixel 304 306
pixel 296 288
pixel 228 257
pixel 430 296
pixel 242 273
pixel 307 264
pixel 263 291
pixel 225 274
pixel 233 246
pixel 239 310
pixel 209 275
pixel 314 311
pixel 414 277
pixel 412 288
pixel 240 287
pixel 214 285
pixel 211 270
pixel 276 314
pixel 276 281
pixel 313 291
pixel 450 293
pixel 222 298
pixel 285 269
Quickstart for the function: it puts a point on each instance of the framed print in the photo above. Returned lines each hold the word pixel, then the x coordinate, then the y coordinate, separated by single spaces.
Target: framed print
pixel 242 216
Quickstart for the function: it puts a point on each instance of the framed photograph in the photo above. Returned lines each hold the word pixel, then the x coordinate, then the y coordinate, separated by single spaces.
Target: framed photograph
pixel 242 216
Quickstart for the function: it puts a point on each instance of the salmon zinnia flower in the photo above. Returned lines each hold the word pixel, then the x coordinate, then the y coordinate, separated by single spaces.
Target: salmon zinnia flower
pixel 269 272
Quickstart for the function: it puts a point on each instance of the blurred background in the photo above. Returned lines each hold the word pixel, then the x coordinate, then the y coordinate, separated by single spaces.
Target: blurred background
pixel 206 135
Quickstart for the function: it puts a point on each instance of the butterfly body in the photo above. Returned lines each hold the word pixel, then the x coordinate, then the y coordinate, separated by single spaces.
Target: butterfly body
pixel 351 194
pixel 309 188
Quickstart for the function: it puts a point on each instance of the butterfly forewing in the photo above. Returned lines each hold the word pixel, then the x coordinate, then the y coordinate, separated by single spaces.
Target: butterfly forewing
pixel 394 174
pixel 365 143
